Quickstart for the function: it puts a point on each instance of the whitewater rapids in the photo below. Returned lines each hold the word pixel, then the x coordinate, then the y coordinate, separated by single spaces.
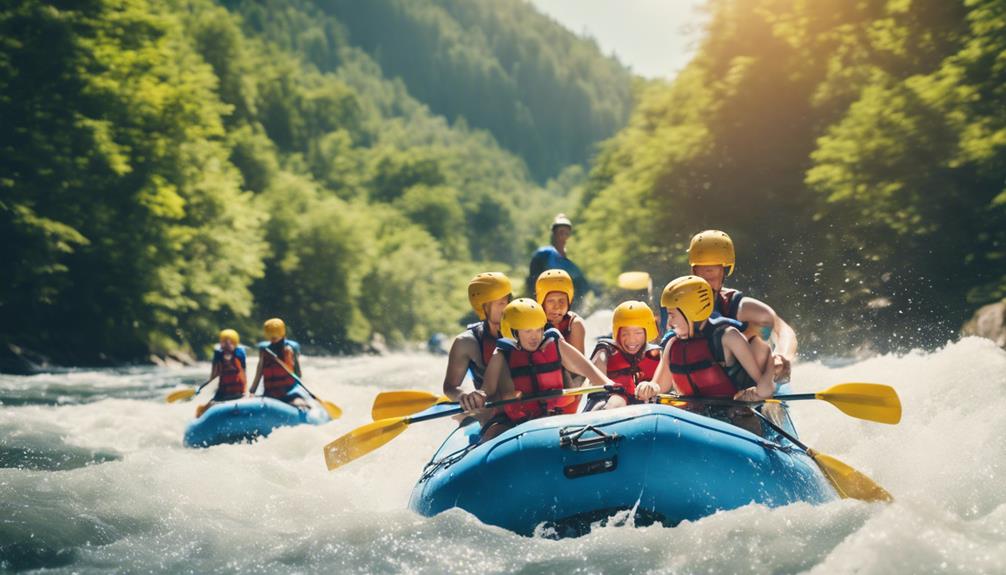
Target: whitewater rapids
pixel 94 478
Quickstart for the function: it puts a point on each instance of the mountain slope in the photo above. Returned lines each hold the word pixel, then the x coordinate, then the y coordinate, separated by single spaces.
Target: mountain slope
pixel 542 92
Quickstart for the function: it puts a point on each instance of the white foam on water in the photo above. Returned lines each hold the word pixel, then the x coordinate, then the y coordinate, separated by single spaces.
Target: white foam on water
pixel 272 506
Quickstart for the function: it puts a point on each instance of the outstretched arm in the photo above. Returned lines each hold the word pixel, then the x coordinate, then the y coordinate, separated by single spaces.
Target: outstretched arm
pixel 600 360
pixel 756 313
pixel 578 335
pixel 662 380
pixel 296 365
pixel 258 372
pixel 491 379
pixel 575 362
pixel 457 367
pixel 759 314
pixel 785 339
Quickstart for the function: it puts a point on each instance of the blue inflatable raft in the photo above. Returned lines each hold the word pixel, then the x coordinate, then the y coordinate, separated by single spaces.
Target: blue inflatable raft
pixel 557 475
pixel 246 419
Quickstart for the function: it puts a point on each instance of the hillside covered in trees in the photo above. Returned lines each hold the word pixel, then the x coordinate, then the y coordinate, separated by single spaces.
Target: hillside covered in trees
pixel 540 90
pixel 856 151
pixel 170 168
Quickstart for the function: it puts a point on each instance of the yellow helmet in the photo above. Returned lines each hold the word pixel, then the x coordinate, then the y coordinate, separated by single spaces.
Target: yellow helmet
pixel 274 328
pixel 553 280
pixel 634 314
pixel 691 295
pixel 487 287
pixel 712 248
pixel 231 336
pixel 522 313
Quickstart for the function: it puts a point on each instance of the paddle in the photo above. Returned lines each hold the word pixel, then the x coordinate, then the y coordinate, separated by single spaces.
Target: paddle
pixel 404 402
pixel 334 411
pixel 850 483
pixel 371 436
pixel 201 409
pixel 635 281
pixel 869 401
pixel 188 393
pixel 874 402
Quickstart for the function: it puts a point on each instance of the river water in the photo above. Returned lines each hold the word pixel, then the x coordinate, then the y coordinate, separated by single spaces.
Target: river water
pixel 93 478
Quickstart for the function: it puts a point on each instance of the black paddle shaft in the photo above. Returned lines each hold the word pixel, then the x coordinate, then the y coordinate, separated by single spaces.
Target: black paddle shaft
pixel 796 396
pixel 552 393
pixel 205 383
pixel 290 373
pixel 780 430
pixel 734 402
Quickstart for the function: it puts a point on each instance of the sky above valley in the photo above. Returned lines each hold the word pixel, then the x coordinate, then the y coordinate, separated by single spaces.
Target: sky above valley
pixel 655 38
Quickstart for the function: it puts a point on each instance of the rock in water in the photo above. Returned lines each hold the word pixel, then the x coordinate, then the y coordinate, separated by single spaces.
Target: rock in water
pixel 17 360
pixel 988 322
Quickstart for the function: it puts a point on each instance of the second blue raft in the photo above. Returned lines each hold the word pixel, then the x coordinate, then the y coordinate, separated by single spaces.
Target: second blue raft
pixel 246 419
pixel 667 465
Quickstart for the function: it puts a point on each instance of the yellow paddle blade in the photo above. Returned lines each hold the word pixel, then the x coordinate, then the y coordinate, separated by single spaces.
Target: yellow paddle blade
pixel 334 411
pixel 403 402
pixel 666 399
pixel 200 410
pixel 634 280
pixel 180 395
pixel 363 440
pixel 870 401
pixel 849 483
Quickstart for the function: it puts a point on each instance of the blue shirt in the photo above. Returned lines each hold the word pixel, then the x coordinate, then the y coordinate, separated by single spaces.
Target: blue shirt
pixel 547 258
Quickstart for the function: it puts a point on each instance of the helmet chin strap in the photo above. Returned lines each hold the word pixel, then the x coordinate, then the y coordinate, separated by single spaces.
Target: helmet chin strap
pixel 694 328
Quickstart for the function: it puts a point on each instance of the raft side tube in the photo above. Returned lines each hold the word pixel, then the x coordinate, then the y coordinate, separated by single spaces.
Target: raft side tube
pixel 664 463
pixel 247 419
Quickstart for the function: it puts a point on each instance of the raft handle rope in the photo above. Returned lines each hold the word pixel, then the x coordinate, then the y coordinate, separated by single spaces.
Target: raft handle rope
pixel 445 461
pixel 573 438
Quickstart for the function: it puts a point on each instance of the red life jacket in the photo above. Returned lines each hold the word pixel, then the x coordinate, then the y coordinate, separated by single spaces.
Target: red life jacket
pixel 533 372
pixel 232 376
pixel 565 324
pixel 277 381
pixel 629 370
pixel 487 343
pixel 695 363
pixel 728 302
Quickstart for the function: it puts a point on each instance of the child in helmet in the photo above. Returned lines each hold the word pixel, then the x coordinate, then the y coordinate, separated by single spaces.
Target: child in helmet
pixel 229 364
pixel 536 359
pixel 711 256
pixel 706 357
pixel 488 294
pixel 554 291
pixel 278 358
pixel 627 357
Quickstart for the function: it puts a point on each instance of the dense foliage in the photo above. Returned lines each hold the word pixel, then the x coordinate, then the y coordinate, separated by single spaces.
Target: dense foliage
pixel 541 91
pixel 856 151
pixel 170 168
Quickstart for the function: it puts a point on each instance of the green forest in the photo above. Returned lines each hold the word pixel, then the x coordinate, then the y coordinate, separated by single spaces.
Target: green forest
pixel 855 151
pixel 171 168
